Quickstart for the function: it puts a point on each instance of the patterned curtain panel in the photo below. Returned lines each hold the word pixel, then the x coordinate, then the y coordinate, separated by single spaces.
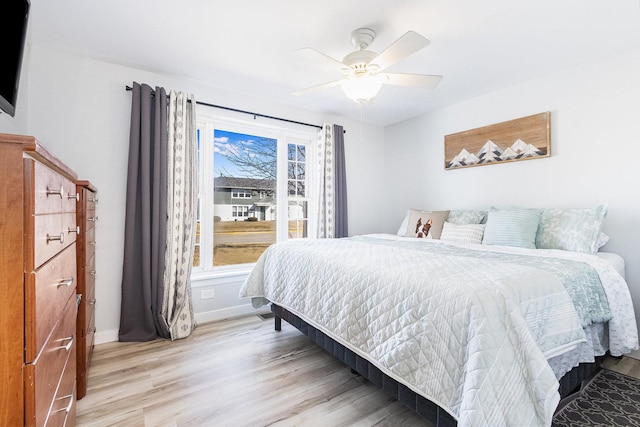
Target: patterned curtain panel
pixel 332 189
pixel 325 193
pixel 177 307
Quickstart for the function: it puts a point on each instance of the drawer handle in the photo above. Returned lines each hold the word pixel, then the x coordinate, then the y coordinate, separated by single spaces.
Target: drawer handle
pixel 93 273
pixel 94 200
pixel 94 219
pixel 69 344
pixel 92 302
pixel 74 196
pixel 74 230
pixel 92 243
pixel 69 406
pixel 66 282
pixel 52 237
pixel 59 192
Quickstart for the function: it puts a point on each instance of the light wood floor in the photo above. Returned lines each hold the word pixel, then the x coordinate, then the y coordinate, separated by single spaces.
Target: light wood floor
pixel 237 372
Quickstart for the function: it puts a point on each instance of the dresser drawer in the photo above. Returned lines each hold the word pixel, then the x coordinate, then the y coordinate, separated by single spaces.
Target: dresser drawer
pixel 53 233
pixel 90 220
pixel 47 292
pixel 63 407
pixel 90 239
pixel 53 192
pixel 43 376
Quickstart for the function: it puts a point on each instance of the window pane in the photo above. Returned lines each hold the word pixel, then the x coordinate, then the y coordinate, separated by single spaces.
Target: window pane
pixel 292 170
pixel 298 219
pixel 302 156
pixel 291 152
pixel 245 171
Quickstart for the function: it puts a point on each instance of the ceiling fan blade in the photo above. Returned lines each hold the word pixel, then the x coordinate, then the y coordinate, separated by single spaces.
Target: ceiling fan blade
pixel 424 81
pixel 317 87
pixel 314 55
pixel 409 43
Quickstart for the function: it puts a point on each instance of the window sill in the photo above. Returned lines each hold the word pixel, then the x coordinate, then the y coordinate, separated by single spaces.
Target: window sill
pixel 201 278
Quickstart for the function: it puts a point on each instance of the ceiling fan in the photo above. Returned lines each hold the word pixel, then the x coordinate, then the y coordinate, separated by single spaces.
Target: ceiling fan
pixel 362 69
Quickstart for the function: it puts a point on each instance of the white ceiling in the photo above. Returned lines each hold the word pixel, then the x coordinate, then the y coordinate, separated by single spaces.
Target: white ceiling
pixel 249 45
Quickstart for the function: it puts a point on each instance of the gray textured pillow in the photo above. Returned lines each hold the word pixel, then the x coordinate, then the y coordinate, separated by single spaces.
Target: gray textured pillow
pixel 467 216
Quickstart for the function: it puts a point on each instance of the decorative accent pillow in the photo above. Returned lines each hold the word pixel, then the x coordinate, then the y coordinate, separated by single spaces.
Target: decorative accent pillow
pixel 467 216
pixel 426 224
pixel 462 233
pixel 576 230
pixel 512 227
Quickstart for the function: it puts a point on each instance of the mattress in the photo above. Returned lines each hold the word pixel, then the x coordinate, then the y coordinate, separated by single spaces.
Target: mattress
pixel 468 327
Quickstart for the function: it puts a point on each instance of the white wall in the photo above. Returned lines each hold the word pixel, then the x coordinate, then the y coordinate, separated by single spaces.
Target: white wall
pixel 78 108
pixel 595 148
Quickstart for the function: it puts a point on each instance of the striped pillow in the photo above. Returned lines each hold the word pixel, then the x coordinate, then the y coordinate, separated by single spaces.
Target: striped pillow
pixel 512 227
pixel 462 233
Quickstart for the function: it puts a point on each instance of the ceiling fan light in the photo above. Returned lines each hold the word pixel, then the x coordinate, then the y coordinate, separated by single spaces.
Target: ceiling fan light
pixel 361 88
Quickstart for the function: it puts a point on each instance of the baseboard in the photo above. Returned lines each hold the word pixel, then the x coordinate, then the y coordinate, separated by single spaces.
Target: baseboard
pixel 102 337
pixel 634 354
pixel 225 313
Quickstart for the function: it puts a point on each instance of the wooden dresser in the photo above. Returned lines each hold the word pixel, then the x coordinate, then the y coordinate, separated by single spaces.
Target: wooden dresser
pixel 38 274
pixel 86 256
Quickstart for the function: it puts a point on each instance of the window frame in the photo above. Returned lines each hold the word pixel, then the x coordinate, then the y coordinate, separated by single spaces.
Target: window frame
pixel 207 123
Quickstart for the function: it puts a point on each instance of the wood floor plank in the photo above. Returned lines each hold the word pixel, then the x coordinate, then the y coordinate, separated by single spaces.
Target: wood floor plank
pixel 236 372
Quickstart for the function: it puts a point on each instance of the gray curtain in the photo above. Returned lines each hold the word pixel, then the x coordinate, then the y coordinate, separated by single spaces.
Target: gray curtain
pixel 145 218
pixel 340 183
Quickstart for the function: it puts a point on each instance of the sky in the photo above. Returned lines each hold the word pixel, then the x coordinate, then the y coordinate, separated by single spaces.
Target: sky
pixel 229 142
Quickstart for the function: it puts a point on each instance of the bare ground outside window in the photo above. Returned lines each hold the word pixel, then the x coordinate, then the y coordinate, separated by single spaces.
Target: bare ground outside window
pixel 241 242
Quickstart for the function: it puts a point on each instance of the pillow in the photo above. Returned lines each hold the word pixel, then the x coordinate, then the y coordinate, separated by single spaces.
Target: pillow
pixel 403 225
pixel 576 230
pixel 462 233
pixel 512 227
pixel 467 216
pixel 426 224
pixel 602 240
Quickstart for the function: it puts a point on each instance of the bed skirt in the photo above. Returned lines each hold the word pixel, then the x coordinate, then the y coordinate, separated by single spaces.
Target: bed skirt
pixel 569 383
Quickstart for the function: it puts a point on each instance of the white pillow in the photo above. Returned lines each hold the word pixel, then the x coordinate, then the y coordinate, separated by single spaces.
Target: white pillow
pixel 403 225
pixel 462 233
pixel 602 240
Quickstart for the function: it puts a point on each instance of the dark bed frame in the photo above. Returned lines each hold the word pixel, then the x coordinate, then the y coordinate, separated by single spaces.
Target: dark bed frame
pixel 569 383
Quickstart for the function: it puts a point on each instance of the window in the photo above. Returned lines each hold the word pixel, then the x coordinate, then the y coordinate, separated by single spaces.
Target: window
pixel 240 193
pixel 253 189
pixel 240 211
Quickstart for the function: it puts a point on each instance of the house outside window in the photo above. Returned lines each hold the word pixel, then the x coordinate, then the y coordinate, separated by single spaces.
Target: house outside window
pixel 254 189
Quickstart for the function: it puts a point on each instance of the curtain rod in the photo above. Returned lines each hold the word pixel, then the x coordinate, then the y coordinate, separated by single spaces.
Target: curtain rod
pixel 129 88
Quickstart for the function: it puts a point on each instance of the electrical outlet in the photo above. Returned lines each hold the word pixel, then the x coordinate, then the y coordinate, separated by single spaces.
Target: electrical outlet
pixel 207 294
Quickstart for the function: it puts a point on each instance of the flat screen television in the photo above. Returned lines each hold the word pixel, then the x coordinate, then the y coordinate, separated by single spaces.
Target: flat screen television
pixel 14 16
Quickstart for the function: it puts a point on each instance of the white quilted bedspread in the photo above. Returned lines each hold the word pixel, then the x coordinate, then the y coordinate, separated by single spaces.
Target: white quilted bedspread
pixel 472 335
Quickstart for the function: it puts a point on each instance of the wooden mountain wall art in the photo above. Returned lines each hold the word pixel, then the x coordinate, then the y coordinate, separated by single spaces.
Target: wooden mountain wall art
pixel 525 138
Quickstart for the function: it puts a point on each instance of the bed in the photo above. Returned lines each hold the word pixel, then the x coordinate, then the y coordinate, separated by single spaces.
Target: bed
pixel 467 333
